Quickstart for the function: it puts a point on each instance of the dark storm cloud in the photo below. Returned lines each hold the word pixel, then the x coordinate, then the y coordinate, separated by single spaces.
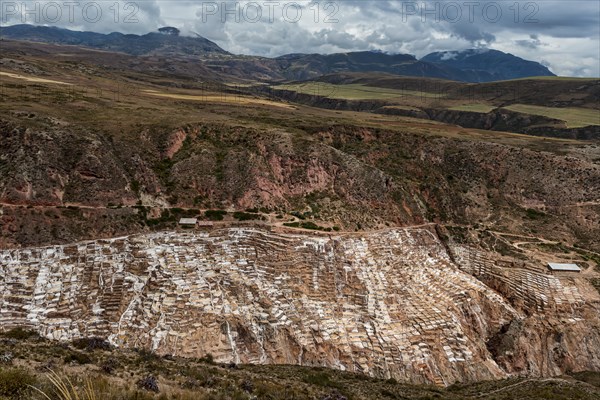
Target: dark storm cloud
pixel 565 34
pixel 532 43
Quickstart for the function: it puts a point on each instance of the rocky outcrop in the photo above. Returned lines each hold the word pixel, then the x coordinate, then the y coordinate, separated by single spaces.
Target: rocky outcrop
pixel 389 303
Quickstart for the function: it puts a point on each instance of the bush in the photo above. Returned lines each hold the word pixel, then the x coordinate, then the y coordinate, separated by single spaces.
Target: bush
pixel 215 215
pixel 321 379
pixel 208 359
pixel 19 334
pixel 247 386
pixel 149 383
pixel 311 225
pixel 91 344
pixel 15 383
pixel 534 214
pixel 335 395
pixel 147 356
pixel 108 366
pixel 243 216
pixel 78 358
pixel 298 215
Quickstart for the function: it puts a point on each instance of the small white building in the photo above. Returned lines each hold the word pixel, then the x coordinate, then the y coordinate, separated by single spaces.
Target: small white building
pixel 188 221
pixel 558 267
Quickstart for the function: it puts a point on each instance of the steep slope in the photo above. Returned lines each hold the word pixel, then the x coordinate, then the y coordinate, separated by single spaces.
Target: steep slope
pixel 388 304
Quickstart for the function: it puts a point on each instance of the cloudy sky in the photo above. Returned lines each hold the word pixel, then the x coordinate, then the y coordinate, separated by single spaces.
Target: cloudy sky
pixel 563 35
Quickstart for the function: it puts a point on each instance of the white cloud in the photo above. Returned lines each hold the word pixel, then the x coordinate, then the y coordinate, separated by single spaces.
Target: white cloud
pixel 565 34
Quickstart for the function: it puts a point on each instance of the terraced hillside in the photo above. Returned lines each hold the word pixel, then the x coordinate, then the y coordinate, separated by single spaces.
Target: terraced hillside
pixel 387 304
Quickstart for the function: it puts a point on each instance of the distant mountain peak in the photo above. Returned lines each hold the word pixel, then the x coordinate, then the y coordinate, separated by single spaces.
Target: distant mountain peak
pixel 470 65
pixel 488 64
pixel 166 41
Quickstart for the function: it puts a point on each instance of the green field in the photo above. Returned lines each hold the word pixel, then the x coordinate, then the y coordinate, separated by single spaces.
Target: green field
pixel 574 117
pixel 474 107
pixel 353 91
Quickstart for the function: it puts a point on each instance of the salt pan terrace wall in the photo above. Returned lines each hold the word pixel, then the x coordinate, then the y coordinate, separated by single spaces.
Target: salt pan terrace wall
pixel 561 331
pixel 537 291
pixel 388 304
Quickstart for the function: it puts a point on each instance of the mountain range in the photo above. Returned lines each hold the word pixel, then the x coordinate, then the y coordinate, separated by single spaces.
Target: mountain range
pixel 475 65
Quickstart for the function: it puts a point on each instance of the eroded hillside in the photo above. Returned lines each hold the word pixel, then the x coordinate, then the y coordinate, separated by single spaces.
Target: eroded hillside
pixel 343 175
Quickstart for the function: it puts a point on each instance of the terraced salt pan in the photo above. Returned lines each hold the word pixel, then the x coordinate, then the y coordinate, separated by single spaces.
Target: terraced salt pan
pixel 388 303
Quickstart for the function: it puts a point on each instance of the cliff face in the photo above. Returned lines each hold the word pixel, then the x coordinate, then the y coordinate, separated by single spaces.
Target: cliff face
pixel 388 303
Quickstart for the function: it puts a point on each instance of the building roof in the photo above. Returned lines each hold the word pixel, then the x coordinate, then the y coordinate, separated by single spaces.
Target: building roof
pixel 564 267
pixel 188 221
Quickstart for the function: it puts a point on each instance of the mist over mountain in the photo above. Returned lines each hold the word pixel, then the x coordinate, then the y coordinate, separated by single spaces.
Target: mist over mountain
pixel 153 43
pixel 467 66
pixel 488 65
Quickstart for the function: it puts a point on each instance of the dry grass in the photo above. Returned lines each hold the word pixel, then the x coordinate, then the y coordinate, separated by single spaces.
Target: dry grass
pixel 66 390
pixel 32 78
pixel 220 98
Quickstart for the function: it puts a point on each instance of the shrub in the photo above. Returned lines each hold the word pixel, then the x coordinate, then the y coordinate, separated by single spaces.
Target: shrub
pixel 19 334
pixel 247 386
pixel 149 383
pixel 7 357
pixel 311 225
pixel 108 366
pixel 215 215
pixel 534 214
pixel 15 383
pixel 298 215
pixel 335 395
pixel 321 379
pixel 243 216
pixel 91 344
pixel 76 357
pixel 208 359
pixel 147 356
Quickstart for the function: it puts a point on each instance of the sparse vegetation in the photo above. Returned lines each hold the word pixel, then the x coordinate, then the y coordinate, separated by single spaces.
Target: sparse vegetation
pixel 117 374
